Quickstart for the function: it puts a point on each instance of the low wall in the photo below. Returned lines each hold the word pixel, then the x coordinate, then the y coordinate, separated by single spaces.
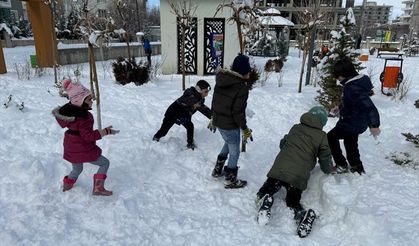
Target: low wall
pixel 80 55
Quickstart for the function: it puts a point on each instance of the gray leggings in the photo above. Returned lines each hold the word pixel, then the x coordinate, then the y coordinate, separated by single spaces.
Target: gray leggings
pixel 102 162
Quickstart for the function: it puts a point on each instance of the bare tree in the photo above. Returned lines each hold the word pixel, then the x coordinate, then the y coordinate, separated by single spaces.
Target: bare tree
pixel 185 12
pixel 121 8
pixel 309 19
pixel 244 16
pixel 92 30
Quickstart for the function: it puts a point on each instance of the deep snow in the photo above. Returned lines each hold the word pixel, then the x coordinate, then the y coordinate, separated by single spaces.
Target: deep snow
pixel 164 194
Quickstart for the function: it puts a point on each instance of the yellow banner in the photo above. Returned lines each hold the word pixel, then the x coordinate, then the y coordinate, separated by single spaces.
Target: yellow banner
pixel 388 36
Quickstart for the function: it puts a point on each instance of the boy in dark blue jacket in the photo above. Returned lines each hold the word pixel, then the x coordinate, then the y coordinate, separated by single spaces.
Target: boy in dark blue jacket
pixel 356 112
pixel 180 111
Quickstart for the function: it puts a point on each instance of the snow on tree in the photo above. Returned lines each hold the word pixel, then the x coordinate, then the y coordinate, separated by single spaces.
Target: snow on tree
pixel 93 30
pixel 245 17
pixel 342 45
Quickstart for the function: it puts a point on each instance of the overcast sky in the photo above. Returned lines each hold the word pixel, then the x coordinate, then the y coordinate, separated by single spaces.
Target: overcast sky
pixel 397 5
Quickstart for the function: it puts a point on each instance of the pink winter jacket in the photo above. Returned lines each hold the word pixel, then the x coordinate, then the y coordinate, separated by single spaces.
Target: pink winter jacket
pixel 80 138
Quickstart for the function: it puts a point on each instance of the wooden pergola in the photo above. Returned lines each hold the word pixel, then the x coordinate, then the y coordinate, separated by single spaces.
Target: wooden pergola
pixel 40 16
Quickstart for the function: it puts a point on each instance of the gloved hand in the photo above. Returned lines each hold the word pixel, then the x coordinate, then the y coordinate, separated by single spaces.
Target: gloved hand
pixel 335 111
pixel 247 133
pixel 211 127
pixel 334 170
pixel 375 132
pixel 108 131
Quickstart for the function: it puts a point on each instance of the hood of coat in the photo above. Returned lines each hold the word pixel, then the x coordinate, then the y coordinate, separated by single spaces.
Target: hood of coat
pixel 68 113
pixel 360 80
pixel 227 78
pixel 311 120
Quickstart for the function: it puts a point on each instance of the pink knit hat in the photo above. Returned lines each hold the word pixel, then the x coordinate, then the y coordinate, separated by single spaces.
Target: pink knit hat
pixel 76 92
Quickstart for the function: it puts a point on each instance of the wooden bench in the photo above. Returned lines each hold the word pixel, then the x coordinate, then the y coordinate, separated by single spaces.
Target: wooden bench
pixel 389 52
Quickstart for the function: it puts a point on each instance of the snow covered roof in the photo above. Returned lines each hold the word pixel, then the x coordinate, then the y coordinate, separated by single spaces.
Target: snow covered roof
pixel 275 21
pixel 270 11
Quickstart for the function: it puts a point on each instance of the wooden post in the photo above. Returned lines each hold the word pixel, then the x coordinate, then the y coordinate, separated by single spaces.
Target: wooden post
pixel 2 63
pixel 40 16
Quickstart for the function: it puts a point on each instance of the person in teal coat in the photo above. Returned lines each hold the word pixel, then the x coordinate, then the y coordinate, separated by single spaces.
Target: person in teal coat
pixel 299 150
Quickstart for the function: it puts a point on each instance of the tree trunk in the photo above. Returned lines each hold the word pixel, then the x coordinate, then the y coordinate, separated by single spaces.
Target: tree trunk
pixel 94 80
pixel 302 72
pixel 239 34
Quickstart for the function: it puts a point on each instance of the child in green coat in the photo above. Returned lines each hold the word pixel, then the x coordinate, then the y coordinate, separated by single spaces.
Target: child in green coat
pixel 299 150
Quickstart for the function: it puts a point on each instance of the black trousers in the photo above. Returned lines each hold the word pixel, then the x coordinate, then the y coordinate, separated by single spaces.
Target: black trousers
pixel 350 141
pixel 293 197
pixel 168 122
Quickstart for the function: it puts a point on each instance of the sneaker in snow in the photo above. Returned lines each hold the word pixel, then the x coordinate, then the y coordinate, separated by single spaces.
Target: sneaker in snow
pixel 264 209
pixel 156 139
pixel 238 183
pixel 306 223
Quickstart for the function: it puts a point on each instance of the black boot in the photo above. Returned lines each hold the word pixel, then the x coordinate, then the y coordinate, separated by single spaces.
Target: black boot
pixel 231 179
pixel 305 220
pixel 264 205
pixel 191 145
pixel 218 169
pixel 358 168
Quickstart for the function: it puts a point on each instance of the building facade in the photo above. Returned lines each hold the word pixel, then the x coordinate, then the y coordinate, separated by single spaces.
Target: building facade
pixel 407 11
pixel 414 20
pixel 210 42
pixel 332 10
pixel 374 18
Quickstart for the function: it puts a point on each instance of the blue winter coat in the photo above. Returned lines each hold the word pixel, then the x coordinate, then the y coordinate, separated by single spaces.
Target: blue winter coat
pixel 357 111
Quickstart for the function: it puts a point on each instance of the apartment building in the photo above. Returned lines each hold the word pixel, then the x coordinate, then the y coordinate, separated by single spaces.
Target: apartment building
pixel 414 19
pixel 331 9
pixel 374 17
pixel 407 11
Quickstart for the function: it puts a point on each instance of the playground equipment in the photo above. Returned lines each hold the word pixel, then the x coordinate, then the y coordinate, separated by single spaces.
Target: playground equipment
pixel 392 76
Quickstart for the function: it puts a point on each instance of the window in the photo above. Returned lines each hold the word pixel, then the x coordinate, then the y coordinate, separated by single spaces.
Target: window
pixel 101 13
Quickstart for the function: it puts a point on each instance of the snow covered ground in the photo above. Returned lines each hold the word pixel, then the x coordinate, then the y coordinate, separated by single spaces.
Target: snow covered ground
pixel 164 194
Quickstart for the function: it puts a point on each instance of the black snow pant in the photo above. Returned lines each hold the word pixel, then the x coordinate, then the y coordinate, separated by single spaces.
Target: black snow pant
pixel 168 122
pixel 350 140
pixel 293 197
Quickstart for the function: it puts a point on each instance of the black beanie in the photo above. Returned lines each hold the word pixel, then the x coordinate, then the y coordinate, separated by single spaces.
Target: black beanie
pixel 241 64
pixel 203 85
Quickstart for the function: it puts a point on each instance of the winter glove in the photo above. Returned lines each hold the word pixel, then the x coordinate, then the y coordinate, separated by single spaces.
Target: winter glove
pixel 334 170
pixel 247 133
pixel 335 111
pixel 108 131
pixel 211 127
pixel 375 131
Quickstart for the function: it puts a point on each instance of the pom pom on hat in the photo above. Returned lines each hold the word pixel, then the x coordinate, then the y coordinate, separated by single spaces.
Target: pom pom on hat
pixel 76 92
pixel 241 64
pixel 320 113
pixel 66 83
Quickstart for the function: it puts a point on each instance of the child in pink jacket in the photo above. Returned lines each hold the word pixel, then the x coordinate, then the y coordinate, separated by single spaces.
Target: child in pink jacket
pixel 80 138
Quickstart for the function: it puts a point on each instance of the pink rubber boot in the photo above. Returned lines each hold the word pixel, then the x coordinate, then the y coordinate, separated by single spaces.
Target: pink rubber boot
pixel 68 183
pixel 98 185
